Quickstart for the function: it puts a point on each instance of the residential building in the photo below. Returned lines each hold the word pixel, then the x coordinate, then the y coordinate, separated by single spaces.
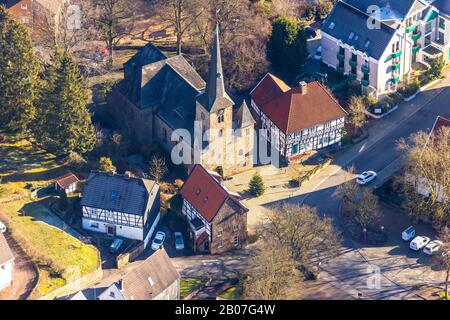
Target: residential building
pixel 297 120
pixel 121 206
pixel 376 42
pixel 42 17
pixel 6 263
pixel 160 96
pixel 67 183
pixel 217 219
pixel 154 279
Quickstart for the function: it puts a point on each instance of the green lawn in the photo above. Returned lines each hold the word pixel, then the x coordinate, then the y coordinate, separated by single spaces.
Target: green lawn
pixel 60 256
pixel 188 285
pixel 233 293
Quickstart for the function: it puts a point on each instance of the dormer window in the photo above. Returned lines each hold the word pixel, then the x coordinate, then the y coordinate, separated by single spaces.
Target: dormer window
pixel 332 25
pixel 198 191
pixel 205 200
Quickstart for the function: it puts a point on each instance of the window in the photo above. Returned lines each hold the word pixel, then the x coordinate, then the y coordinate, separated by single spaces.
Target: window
pixel 332 25
pixel 219 232
pixel 220 116
pixel 23 6
pixel 220 133
pixel 236 227
pixel 294 149
pixel 220 245
pixel 150 281
pixel 25 20
pixel 94 225
pixel 198 191
pixel 236 241
pixel 112 294
pixel 442 23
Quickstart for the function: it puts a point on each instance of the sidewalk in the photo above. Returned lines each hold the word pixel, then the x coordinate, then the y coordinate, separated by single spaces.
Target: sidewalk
pixel 378 129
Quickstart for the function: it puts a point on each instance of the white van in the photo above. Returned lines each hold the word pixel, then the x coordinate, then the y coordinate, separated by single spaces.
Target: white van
pixel 418 243
pixel 409 233
pixel 2 227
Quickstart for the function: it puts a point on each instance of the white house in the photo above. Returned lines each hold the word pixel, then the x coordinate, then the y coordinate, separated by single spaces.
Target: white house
pixel 297 120
pixel 67 183
pixel 121 206
pixel 6 263
pixel 376 42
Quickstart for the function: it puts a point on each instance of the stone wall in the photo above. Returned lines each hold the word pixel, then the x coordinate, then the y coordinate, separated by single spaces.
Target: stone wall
pixel 124 258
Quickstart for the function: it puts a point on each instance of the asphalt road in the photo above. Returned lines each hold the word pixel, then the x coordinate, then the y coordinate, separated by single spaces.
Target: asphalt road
pixel 350 268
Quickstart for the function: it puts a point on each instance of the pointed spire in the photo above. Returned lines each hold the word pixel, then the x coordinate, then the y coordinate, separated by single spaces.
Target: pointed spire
pixel 215 85
pixel 244 116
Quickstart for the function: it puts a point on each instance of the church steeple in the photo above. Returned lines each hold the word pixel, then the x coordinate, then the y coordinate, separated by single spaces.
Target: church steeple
pixel 215 85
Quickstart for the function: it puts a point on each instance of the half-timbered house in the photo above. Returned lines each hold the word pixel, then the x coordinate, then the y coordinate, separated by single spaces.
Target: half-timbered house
pixel 121 206
pixel 217 219
pixel 297 120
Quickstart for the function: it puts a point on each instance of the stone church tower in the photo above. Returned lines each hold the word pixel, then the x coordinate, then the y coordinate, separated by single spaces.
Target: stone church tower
pixel 228 134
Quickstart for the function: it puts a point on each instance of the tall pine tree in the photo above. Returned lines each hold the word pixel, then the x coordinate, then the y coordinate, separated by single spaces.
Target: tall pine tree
pixel 19 74
pixel 63 122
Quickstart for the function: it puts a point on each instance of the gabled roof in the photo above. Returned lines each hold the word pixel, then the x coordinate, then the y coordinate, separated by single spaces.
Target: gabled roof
pixel 205 193
pixel 293 111
pixel 349 24
pixel 6 254
pixel 111 293
pixel 150 278
pixel 66 180
pixel 119 193
pixel 443 6
pixel 268 88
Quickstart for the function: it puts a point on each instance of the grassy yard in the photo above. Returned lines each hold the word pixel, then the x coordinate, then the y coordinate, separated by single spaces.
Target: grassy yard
pixel 233 293
pixel 59 255
pixel 188 285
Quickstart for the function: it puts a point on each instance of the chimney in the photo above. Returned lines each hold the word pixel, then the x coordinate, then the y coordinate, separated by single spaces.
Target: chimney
pixel 303 87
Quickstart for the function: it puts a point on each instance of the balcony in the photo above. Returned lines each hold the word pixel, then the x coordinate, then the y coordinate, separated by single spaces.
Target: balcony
pixel 397 54
pixel 365 83
pixel 416 49
pixel 395 80
pixel 353 63
pixel 340 70
pixel 411 29
pixel 341 56
pixel 395 67
pixel 352 76
pixel 365 69
pixel 416 35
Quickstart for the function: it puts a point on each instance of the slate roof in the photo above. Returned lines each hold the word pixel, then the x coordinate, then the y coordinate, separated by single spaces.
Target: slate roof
pixel 119 193
pixel 244 117
pixel 293 111
pixel 205 193
pixel 150 278
pixel 348 20
pixel 390 9
pixel 443 6
pixel 215 93
pixel 6 254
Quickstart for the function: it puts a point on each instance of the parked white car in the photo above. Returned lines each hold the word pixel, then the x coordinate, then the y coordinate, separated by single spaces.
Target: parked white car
pixel 418 243
pixel 366 177
pixel 409 233
pixel 432 247
pixel 158 240
pixel 179 242
pixel 2 227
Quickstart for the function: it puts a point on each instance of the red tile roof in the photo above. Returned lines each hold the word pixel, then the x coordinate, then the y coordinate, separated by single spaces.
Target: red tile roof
pixel 292 111
pixel 204 193
pixel 66 180
pixel 202 238
pixel 268 88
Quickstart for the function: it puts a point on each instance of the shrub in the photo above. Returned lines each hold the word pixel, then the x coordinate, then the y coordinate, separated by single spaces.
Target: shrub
pixel 105 164
pixel 411 88
pixel 369 101
pixel 176 202
pixel 256 185
pixel 178 183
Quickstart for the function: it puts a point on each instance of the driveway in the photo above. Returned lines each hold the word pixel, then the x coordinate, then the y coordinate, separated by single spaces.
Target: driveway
pixel 25 276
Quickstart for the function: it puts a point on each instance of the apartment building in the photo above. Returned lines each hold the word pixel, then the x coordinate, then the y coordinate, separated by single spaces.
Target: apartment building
pixel 376 42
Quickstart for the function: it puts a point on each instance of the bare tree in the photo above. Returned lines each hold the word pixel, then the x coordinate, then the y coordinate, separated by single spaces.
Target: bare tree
pixel 114 19
pixel 181 14
pixel 348 189
pixel 157 168
pixel 273 274
pixel 309 237
pixel 425 182
pixel 357 116
pixel 366 209
pixel 442 258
